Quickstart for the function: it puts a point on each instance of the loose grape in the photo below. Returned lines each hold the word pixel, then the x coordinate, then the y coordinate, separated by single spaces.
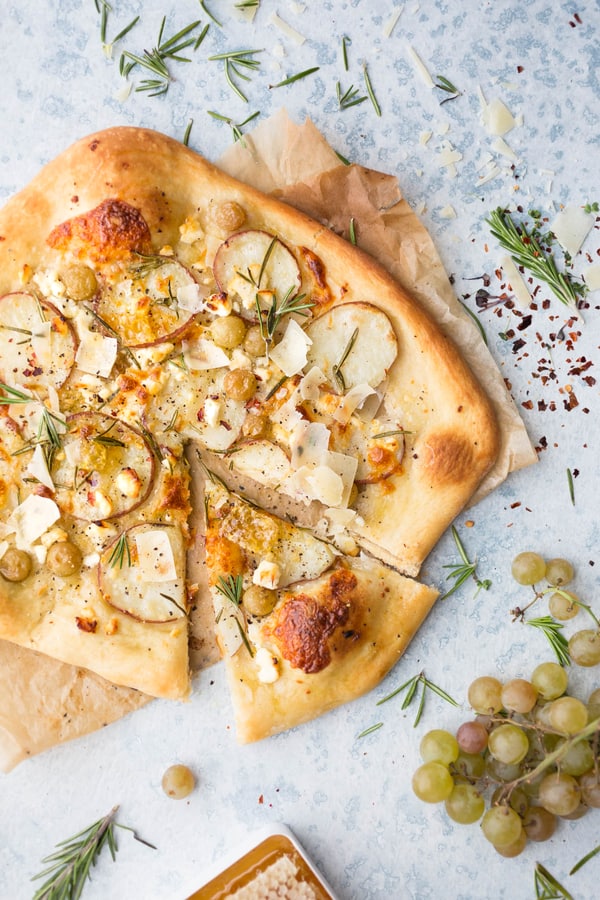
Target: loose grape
pixel 439 746
pixel 539 823
pixel 594 704
pixel 568 715
pixel 550 680
pixel 563 606
pixel 560 794
pixel 578 759
pixel 559 571
pixel 469 765
pixel 590 789
pixel 584 647
pixel 519 695
pixel 485 695
pixel 432 782
pixel 472 737
pixel 465 804
pixel 178 782
pixel 528 567
pixel 501 825
pixel 514 849
pixel 508 744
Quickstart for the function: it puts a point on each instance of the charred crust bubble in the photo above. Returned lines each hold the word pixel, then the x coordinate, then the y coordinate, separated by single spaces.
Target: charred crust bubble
pixel 110 231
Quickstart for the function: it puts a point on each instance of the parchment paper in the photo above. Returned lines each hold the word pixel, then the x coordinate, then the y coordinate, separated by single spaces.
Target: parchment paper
pixel 44 702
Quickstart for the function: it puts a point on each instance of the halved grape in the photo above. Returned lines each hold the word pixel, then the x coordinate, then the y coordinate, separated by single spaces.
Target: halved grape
pixel 508 744
pixel 432 782
pixel 568 715
pixel 519 695
pixel 439 746
pixel 528 567
pixel 550 680
pixel 465 804
pixel 501 825
pixel 485 695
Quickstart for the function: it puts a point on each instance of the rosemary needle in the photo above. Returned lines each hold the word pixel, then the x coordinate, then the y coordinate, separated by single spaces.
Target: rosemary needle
pixel 370 91
pixel 296 77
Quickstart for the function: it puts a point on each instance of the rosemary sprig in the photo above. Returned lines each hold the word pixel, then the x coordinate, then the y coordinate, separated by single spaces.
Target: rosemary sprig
pixel 337 367
pixel 232 588
pixel 106 438
pixel 70 865
pixel 292 78
pixel 585 859
pixel 14 396
pixel 349 98
pixel 392 433
pixel 291 303
pixel 553 632
pixel 370 91
pixel 121 553
pixel 526 251
pixel 411 687
pixel 235 128
pixel 464 570
pixel 444 85
pixel 547 887
pixel 235 61
pixel 147 263
pixel 155 60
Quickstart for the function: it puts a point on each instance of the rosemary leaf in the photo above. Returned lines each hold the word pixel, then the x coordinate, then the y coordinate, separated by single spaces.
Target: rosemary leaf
pixel 370 91
pixel 461 572
pixel 345 42
pixel 476 320
pixel 585 859
pixel 337 368
pixel 208 13
pixel 411 686
pixel 553 632
pixel 352 231
pixel 369 730
pixel 186 136
pixel 292 78
pixel 547 887
pixel 571 486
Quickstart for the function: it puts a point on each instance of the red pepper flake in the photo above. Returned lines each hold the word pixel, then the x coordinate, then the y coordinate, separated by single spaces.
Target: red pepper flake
pixel 515 505
pixel 520 69
pixel 261 799
pixel 528 404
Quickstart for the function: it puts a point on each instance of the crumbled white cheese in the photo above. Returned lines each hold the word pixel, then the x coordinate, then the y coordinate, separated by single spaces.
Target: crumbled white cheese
pixel 155 555
pixel 268 668
pixel 213 410
pixel 190 231
pixel 102 504
pixel 266 574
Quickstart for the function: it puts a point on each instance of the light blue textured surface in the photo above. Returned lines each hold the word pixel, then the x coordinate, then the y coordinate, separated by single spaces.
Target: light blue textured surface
pixel 349 801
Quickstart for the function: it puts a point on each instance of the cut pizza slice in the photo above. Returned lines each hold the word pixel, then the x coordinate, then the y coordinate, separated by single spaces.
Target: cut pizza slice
pixel 302 628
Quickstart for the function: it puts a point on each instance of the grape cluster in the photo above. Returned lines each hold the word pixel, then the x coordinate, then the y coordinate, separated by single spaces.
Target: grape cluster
pixel 529 568
pixel 531 756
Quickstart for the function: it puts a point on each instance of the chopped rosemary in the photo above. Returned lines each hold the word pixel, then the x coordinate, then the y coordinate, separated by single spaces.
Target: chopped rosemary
pixel 411 688
pixel 343 159
pixel 292 78
pixel 385 434
pixel 235 61
pixel 370 91
pixel 186 136
pixel 106 439
pixel 175 603
pixel 247 4
pixel 70 864
pixel 461 572
pixel 155 60
pixel 152 442
pixel 121 552
pixel 201 36
pixel 337 368
pixel 527 252
pixel 585 859
pixel 235 128
pixel 553 632
pixel 571 486
pixel 547 887
pixel 15 396
pixel 276 387
pixel 348 98
pixel 345 42
pixel 231 587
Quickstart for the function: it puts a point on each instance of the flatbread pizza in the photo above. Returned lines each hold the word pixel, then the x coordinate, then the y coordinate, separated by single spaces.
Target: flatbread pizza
pixel 149 305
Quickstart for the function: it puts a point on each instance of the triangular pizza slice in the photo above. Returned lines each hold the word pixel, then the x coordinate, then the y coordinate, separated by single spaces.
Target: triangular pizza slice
pixel 302 627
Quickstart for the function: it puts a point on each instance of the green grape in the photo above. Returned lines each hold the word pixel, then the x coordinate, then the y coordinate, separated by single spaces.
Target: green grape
pixel 519 695
pixel 550 680
pixel 539 823
pixel 577 813
pixel 560 794
pixel 439 746
pixel 432 782
pixel 178 782
pixel 501 825
pixel 593 705
pixel 528 567
pixel 568 715
pixel 590 789
pixel 517 799
pixel 501 772
pixel 508 744
pixel 472 737
pixel 563 606
pixel 485 695
pixel 578 759
pixel 469 765
pixel 559 572
pixel 541 715
pixel 584 647
pixel 514 849
pixel 465 804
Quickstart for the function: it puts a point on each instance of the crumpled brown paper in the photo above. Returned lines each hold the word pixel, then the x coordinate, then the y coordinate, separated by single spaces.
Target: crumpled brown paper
pixel 44 702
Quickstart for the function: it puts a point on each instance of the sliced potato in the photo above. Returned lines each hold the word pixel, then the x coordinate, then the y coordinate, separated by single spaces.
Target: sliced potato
pixel 37 344
pixel 156 304
pixel 142 573
pixel 261 460
pixel 104 470
pixel 252 262
pixel 352 344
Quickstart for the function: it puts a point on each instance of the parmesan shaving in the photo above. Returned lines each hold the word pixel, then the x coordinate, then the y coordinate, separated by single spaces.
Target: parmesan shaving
pixel 420 67
pixel 32 518
pixel 155 556
pixel 515 279
pixel 351 401
pixel 96 354
pixel 496 118
pixel 392 21
pixel 38 467
pixel 592 277
pixel 571 226
pixel 500 146
pixel 287 29
pixel 203 355
pixel 291 352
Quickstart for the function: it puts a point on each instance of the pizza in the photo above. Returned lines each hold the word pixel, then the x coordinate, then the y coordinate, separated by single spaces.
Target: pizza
pixel 155 311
